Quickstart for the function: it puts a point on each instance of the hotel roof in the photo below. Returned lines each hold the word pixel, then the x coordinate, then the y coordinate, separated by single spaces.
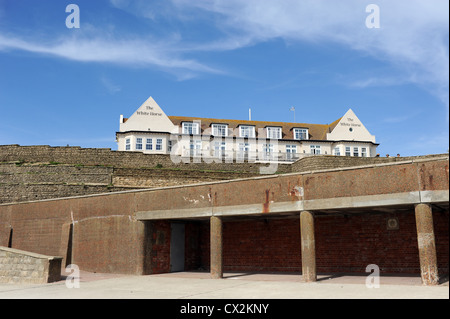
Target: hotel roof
pixel 316 131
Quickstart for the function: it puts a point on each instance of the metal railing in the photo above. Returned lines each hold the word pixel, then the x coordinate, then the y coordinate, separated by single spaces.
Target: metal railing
pixel 244 156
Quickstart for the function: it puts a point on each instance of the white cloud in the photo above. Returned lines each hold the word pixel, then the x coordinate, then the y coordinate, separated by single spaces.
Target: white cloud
pixel 134 52
pixel 413 36
pixel 110 85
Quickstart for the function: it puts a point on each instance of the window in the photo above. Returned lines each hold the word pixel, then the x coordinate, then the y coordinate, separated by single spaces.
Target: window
pixel 300 134
pixel 195 148
pixel 315 149
pixel 128 144
pixel 190 128
pixel 219 149
pixel 267 151
pixel 149 144
pixel 348 151
pixel 159 143
pixel 246 131
pixel 274 133
pixel 290 151
pixel 139 143
pixel 355 151
pixel 363 151
pixel 244 149
pixel 337 151
pixel 220 129
pixel 169 146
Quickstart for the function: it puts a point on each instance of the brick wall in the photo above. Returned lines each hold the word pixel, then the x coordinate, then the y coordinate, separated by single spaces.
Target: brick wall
pixel 343 244
pixel 20 267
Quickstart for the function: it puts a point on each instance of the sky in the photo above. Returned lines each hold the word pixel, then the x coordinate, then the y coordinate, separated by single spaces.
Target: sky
pixel 61 85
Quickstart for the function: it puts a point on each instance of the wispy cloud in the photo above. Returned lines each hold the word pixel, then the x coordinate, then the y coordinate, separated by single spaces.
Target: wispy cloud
pixel 413 36
pixel 109 85
pixel 132 52
pixel 402 118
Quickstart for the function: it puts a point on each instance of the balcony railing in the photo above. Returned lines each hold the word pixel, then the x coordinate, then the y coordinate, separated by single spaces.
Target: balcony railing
pixel 243 156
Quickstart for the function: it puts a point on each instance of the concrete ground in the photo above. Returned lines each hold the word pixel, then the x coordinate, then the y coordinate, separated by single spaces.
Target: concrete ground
pixel 198 285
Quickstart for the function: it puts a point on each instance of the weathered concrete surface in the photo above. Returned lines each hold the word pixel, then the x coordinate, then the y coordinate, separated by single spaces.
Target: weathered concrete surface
pixel 426 244
pixel 308 243
pixel 216 247
pixel 109 236
pixel 234 286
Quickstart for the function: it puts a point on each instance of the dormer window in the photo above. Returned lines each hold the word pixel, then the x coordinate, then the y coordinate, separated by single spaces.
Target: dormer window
pixel 246 131
pixel 219 129
pixel 273 132
pixel 301 134
pixel 190 128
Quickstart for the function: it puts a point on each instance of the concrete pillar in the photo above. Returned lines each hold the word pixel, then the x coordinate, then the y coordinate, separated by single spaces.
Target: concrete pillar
pixel 427 245
pixel 216 247
pixel 308 247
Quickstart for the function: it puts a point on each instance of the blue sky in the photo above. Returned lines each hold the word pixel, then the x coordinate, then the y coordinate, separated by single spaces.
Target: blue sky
pixel 219 58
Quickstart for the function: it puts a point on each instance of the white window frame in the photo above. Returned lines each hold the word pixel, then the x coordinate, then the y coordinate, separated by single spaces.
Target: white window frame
pixel 268 151
pixel 159 144
pixel 301 132
pixel 250 131
pixel 291 150
pixel 244 150
pixel 190 128
pixel 195 147
pixel 219 130
pixel 139 144
pixel 348 151
pixel 315 149
pixel 274 132
pixel 363 151
pixel 220 149
pixel 128 144
pixel 357 151
pixel 149 144
pixel 337 151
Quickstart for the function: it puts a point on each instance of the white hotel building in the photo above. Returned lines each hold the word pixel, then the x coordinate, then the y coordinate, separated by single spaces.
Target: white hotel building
pixel 151 131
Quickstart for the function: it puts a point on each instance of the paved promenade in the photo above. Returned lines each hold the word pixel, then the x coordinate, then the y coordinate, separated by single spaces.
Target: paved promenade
pixel 193 285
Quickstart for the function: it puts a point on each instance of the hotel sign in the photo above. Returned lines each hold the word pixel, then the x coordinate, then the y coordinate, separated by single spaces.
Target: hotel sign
pixel 350 124
pixel 150 112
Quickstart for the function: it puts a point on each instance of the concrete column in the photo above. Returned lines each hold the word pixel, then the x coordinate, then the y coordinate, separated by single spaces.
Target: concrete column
pixel 308 247
pixel 216 247
pixel 427 245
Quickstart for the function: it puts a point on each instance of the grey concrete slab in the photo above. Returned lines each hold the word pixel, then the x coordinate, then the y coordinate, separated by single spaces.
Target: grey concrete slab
pixel 233 286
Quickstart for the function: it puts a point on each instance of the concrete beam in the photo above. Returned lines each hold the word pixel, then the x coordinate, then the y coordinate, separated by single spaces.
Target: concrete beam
pixel 369 201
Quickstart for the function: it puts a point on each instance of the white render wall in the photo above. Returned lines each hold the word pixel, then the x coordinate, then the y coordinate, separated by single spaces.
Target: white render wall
pixel 150 122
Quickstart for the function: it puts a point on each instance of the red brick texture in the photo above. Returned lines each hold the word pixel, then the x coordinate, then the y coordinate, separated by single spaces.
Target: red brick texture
pixel 343 244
